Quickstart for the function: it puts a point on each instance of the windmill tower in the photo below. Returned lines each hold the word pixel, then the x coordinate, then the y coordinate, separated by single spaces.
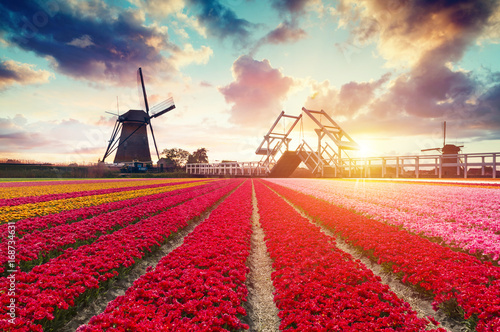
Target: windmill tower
pixel 129 137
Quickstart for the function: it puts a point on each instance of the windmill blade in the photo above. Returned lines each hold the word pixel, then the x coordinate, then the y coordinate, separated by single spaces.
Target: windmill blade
pixel 112 113
pixel 154 140
pixel 163 107
pixel 113 140
pixel 437 149
pixel 141 79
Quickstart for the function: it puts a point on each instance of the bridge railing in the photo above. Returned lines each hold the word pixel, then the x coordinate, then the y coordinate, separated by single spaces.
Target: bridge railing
pixel 459 165
pixel 448 165
pixel 228 169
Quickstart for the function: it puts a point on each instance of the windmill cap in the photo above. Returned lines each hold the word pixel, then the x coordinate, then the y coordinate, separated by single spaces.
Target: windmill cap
pixel 134 116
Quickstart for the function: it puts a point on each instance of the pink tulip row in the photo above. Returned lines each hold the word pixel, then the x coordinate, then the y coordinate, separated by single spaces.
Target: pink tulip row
pixel 44 295
pixel 26 226
pixel 449 276
pixel 463 217
pixel 39 245
pixel 200 286
pixel 318 286
pixel 52 197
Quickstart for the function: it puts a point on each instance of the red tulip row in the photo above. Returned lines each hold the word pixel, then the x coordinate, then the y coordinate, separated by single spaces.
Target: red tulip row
pixel 53 197
pixel 51 292
pixel 200 286
pixel 26 226
pixel 318 286
pixel 38 246
pixel 449 276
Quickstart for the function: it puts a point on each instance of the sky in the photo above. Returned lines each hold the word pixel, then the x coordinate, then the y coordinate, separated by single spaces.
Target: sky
pixel 389 72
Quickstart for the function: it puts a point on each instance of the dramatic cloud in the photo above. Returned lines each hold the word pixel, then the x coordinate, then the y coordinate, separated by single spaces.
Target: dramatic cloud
pixel 407 30
pixel 349 101
pixel 257 91
pixel 90 40
pixel 222 22
pixel 428 38
pixel 12 72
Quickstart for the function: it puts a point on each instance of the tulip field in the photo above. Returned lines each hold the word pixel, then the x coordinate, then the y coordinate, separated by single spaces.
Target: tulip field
pixel 66 243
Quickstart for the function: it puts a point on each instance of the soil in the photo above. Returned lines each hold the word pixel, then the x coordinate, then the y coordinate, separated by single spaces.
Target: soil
pixel 262 312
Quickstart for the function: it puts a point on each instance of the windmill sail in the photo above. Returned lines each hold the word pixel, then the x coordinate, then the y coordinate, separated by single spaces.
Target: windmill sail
pixel 162 108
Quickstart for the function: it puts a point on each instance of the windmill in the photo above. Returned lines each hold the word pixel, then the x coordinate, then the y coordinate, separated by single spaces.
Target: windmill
pixel 129 137
pixel 447 148
pixel 450 155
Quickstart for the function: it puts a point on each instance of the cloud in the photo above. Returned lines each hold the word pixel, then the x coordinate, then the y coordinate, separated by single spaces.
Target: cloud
pixel 285 32
pixel 348 101
pixel 15 137
pixel 257 91
pixel 222 22
pixel 407 30
pixel 160 8
pixel 189 55
pixel 68 136
pixel 428 39
pixel 13 72
pixel 191 22
pixel 292 6
pixel 82 42
pixel 91 40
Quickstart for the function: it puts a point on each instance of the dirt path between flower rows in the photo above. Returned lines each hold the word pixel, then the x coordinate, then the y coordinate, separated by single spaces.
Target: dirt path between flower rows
pixel 120 286
pixel 262 312
pixel 422 306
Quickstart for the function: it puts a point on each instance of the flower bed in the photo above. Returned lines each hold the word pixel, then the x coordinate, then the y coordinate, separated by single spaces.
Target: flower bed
pixel 197 287
pixel 50 293
pixel 26 226
pixel 467 218
pixel 13 213
pixel 12 190
pixel 450 277
pixel 82 193
pixel 319 287
pixel 39 246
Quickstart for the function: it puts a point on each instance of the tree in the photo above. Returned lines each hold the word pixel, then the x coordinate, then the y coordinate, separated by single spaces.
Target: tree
pixel 177 157
pixel 198 156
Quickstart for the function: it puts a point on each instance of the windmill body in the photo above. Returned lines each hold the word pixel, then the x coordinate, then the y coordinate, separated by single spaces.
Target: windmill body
pixel 133 144
pixel 130 136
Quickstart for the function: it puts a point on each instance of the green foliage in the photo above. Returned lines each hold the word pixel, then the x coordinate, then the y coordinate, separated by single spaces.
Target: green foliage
pixel 198 156
pixel 175 157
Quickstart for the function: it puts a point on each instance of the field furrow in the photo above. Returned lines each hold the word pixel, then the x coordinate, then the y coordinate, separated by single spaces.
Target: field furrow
pixel 453 279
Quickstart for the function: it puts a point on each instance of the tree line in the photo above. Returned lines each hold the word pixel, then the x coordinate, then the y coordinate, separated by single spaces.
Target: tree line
pixel 177 158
